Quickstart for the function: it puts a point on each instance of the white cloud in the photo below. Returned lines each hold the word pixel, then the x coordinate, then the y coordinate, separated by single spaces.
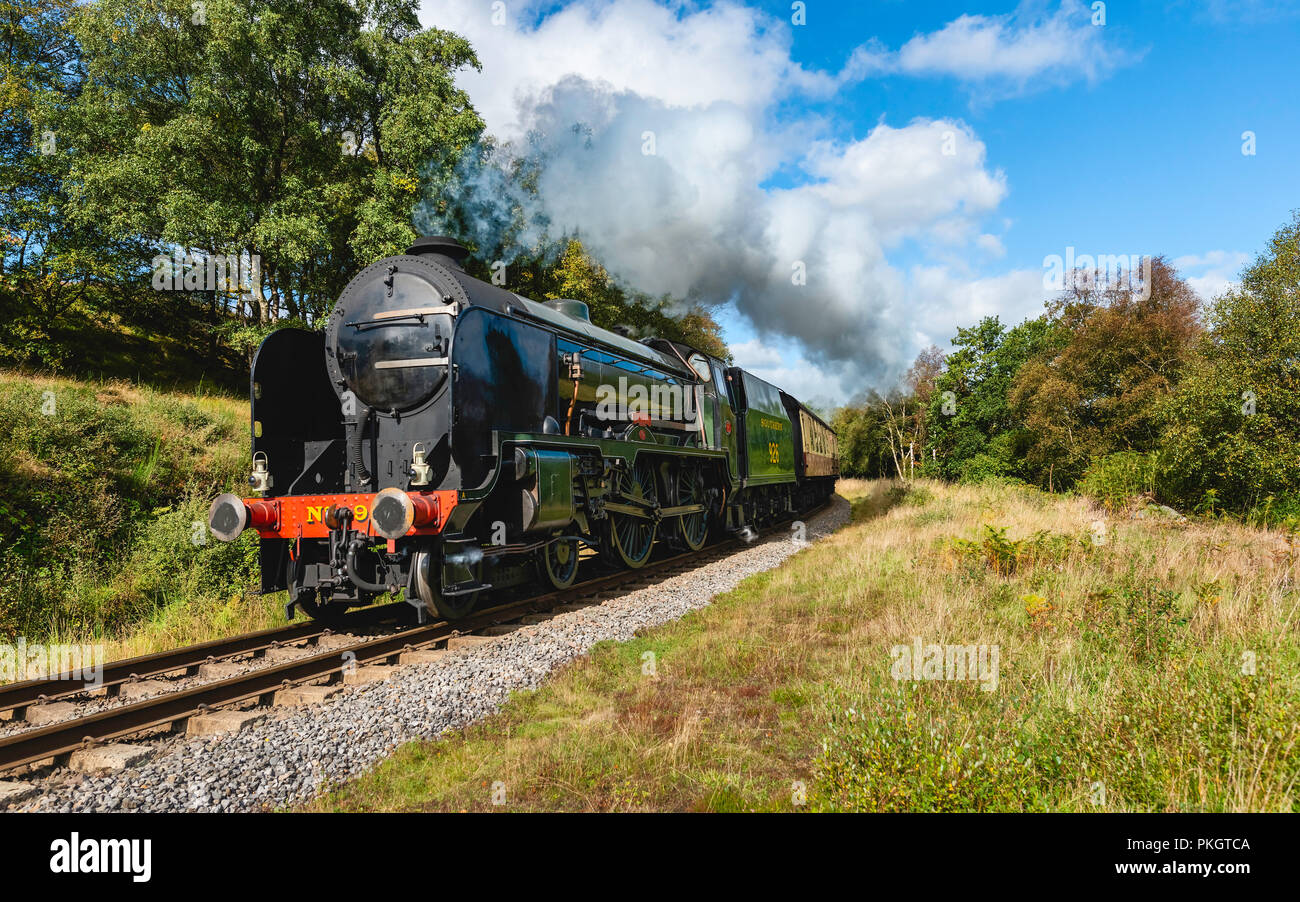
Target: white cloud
pixel 941 297
pixel 691 219
pixel 781 363
pixel 726 54
pixel 1029 44
pixel 904 177
pixel 1212 273
pixel 991 245
pixel 753 354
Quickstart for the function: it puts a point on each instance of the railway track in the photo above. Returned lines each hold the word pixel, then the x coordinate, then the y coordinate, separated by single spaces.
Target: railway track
pixel 58 740
pixel 18 697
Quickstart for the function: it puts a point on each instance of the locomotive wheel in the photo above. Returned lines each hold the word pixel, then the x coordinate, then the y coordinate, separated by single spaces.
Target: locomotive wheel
pixel 630 538
pixel 428 587
pixel 559 562
pixel 692 529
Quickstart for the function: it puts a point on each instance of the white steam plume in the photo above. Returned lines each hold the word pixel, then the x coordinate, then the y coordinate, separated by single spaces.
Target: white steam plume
pixel 656 134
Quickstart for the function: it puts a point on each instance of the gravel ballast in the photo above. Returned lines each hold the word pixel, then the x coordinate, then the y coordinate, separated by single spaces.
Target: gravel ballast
pixel 289 756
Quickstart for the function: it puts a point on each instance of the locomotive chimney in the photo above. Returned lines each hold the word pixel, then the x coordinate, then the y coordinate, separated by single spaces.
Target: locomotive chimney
pixel 441 248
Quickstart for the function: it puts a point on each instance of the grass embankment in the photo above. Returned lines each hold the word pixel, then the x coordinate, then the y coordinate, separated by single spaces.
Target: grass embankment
pixel 1142 665
pixel 101 487
pixel 165 340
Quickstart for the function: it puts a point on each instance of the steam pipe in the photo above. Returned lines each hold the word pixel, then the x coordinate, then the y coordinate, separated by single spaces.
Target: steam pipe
pixel 358 435
pixel 357 580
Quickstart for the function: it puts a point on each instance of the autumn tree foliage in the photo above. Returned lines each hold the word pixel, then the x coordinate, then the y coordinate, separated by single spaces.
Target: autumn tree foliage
pixel 1116 390
pixel 1122 352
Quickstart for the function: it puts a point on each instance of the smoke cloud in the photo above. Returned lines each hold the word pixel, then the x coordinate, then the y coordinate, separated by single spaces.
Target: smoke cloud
pixel 665 142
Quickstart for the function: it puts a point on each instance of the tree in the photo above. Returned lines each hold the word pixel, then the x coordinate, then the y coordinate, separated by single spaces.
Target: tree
pixel 886 435
pixel 48 263
pixel 862 441
pixel 700 330
pixel 919 382
pixel 923 372
pixel 973 432
pixel 902 416
pixel 297 132
pixel 1099 389
pixel 577 275
pixel 1232 428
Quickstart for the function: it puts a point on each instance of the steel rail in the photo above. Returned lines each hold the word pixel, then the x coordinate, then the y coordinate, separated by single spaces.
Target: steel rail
pixel 61 738
pixel 28 692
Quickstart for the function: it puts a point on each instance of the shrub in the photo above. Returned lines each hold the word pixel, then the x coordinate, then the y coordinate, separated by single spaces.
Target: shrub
pixel 1113 479
pixel 1005 556
pixel 1142 617
pixel 102 485
pixel 890 752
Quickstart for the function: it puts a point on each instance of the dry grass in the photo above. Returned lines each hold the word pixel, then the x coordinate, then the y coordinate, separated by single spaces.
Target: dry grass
pixel 1121 682
pixel 185 622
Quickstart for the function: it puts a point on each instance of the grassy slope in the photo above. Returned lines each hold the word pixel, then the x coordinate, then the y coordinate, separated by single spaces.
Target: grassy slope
pixel 1121 683
pixel 166 342
pixel 101 484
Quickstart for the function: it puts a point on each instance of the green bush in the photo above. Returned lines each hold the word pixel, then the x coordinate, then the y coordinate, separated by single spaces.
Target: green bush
pixel 890 752
pixel 1005 556
pixel 986 468
pixel 1146 619
pixel 1233 426
pixel 105 490
pixel 1115 478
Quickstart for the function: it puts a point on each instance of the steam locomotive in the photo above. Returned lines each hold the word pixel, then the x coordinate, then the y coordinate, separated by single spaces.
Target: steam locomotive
pixel 445 438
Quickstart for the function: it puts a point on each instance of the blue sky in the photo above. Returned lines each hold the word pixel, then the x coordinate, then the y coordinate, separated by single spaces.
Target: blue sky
pixel 784 144
pixel 1147 156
